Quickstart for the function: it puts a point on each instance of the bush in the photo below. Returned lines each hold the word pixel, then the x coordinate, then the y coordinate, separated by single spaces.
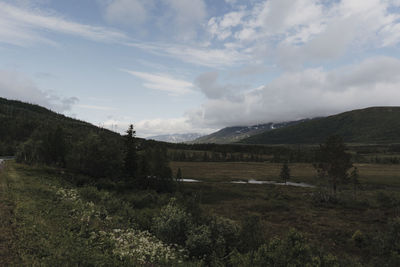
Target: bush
pixel 251 235
pixel 292 250
pixel 199 242
pixel 225 235
pixel 90 193
pixel 359 239
pixel 173 224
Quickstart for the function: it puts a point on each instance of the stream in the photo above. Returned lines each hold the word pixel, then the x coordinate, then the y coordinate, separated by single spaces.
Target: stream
pixel 252 181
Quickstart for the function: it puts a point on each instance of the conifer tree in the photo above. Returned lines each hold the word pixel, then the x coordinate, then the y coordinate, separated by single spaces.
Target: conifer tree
pixel 130 161
pixel 285 172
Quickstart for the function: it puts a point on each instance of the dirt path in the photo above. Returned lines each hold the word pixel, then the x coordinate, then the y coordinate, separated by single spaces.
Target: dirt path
pixel 7 220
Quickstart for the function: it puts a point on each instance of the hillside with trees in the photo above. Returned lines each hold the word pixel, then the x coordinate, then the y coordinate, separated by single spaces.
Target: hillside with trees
pixel 36 135
pixel 375 125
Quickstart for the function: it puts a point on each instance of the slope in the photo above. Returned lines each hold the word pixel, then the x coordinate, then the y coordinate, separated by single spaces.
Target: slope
pixel 369 125
pixel 19 120
pixel 236 133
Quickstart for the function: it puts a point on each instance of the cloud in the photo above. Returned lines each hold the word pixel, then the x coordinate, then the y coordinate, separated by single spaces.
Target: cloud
pixel 178 18
pixel 158 126
pixel 163 82
pixel 307 93
pixel 16 86
pixel 293 33
pixel 24 26
pixel 127 12
pixel 187 16
pixel 197 55
pixel 96 107
pixel 207 82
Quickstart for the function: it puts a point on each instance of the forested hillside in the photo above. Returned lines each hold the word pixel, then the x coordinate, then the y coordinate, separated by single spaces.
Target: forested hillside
pixel 19 121
pixel 36 135
pixel 370 125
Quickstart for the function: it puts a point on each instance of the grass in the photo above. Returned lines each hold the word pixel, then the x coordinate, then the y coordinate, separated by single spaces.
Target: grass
pixel 382 175
pixel 46 221
pixel 327 225
pixel 43 231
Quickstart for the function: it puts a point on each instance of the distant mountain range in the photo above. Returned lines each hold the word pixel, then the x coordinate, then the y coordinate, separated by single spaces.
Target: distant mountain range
pixel 369 125
pixel 175 138
pixel 237 133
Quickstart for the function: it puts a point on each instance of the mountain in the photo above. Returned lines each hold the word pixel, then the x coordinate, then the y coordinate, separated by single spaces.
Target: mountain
pixel 369 125
pixel 19 120
pixel 237 133
pixel 175 138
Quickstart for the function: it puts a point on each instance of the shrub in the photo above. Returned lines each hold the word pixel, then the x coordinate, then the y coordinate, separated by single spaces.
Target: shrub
pixel 251 235
pixel 199 242
pixel 359 239
pixel 225 235
pixel 90 193
pixel 173 224
pixel 292 250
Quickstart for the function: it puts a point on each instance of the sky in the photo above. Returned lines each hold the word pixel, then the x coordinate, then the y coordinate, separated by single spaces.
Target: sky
pixel 195 66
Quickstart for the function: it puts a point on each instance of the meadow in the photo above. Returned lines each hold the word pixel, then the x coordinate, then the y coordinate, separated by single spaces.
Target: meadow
pixel 330 225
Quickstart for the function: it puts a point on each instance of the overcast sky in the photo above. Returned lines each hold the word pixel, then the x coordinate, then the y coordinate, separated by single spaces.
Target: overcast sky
pixel 180 66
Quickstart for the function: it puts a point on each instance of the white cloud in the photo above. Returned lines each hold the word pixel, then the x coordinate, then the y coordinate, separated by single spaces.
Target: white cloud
pixel 20 26
pixel 292 33
pixel 203 56
pixel 16 86
pixel 307 93
pixel 163 82
pixel 95 107
pixel 152 127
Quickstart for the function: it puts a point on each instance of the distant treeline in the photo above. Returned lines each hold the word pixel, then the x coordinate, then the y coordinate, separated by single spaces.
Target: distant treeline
pixel 240 153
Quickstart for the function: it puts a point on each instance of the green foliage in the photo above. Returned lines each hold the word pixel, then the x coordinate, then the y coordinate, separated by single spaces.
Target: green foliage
pixel 96 155
pixel 291 250
pixel 225 235
pixel 251 235
pixel 173 224
pixel 359 239
pixel 199 242
pixel 333 162
pixel 392 243
pixel 47 145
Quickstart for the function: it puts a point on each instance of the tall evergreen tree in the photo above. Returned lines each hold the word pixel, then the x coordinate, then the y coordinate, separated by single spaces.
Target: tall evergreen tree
pixel 333 162
pixel 179 174
pixel 130 160
pixel 285 172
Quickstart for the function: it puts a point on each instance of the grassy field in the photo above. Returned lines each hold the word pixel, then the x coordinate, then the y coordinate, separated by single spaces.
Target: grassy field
pixel 370 174
pixel 330 226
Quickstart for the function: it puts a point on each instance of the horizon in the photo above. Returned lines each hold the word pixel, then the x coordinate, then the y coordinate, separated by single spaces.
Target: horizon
pixel 176 67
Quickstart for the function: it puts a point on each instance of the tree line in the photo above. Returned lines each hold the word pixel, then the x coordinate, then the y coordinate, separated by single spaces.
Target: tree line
pixel 125 160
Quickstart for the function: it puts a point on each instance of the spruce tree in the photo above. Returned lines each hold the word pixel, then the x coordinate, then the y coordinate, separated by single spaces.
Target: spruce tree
pixel 130 161
pixel 285 172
